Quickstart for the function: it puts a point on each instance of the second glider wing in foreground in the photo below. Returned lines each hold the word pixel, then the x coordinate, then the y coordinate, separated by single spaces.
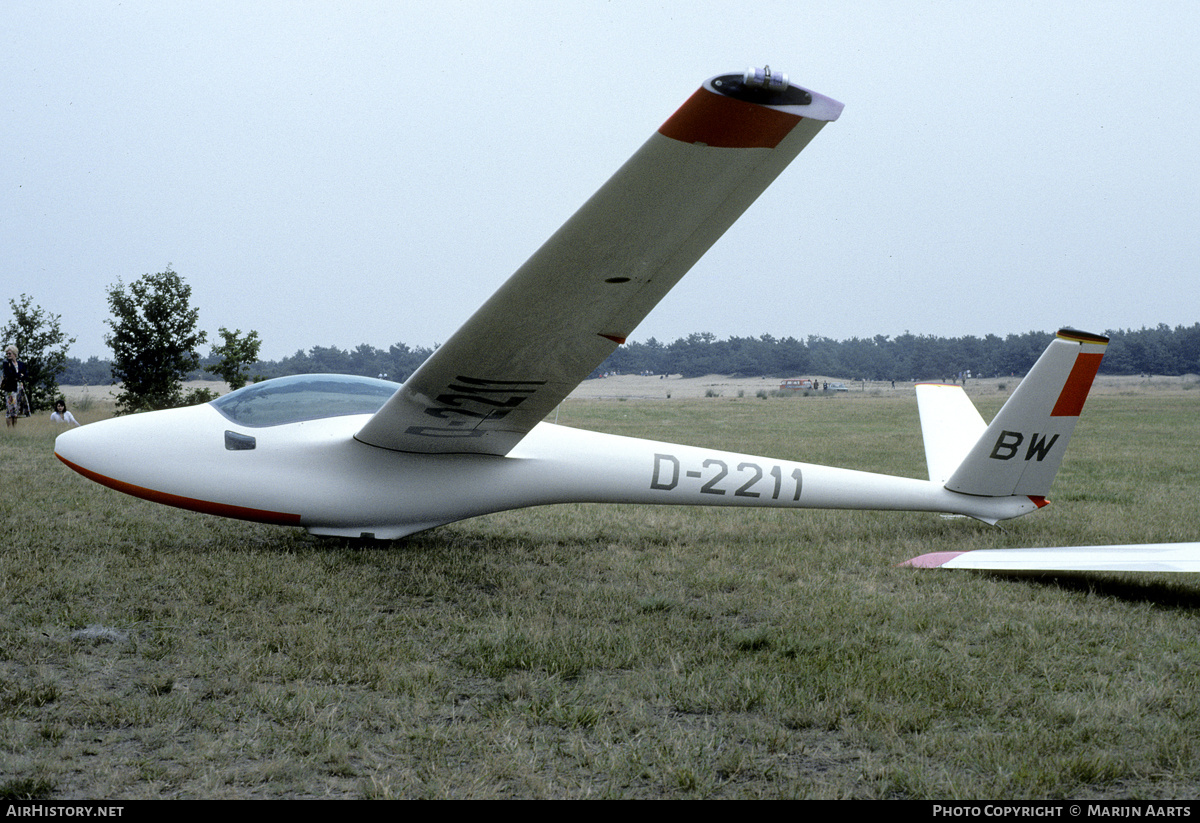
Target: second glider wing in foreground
pixel 1148 557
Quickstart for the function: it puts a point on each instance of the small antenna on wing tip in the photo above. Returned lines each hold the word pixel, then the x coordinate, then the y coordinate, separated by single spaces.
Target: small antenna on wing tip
pixel 763 79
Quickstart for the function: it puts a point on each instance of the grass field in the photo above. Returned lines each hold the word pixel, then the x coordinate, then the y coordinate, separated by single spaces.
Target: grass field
pixel 612 651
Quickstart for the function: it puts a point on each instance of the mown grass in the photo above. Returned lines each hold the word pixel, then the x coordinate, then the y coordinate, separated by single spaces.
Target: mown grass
pixel 611 651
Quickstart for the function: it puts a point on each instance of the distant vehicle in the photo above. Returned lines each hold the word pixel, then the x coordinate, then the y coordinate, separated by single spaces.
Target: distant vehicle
pixel 795 384
pixel 838 387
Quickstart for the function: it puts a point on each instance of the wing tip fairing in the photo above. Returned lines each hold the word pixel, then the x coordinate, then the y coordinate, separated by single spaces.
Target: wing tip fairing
pixel 725 112
pixel 932 560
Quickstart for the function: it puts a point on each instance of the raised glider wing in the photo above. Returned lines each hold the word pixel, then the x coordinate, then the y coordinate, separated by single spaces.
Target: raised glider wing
pixel 464 436
pixel 1148 557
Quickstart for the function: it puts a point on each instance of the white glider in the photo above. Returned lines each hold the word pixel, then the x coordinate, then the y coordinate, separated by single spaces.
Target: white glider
pixel 1149 557
pixel 464 436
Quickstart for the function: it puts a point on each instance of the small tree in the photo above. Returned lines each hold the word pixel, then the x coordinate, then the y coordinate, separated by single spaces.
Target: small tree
pixel 237 355
pixel 42 346
pixel 154 341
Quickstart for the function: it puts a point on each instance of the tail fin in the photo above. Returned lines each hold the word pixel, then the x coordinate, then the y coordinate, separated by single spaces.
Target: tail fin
pixel 1022 449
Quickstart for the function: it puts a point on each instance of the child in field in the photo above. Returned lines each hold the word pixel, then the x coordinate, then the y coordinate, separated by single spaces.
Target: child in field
pixel 61 415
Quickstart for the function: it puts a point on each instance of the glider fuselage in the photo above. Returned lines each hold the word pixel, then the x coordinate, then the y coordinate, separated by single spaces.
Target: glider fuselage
pixel 315 474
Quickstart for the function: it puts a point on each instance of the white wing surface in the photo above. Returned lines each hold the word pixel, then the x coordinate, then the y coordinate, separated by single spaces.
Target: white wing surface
pixel 566 309
pixel 1149 557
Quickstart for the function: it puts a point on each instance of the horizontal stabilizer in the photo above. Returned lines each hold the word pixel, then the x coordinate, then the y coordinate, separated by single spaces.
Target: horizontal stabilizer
pixel 950 426
pixel 1150 557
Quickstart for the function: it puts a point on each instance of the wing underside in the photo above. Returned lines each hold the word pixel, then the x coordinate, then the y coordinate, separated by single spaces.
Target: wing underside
pixel 566 309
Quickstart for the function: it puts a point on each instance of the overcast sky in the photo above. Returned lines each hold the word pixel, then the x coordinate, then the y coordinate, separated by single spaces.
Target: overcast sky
pixel 369 172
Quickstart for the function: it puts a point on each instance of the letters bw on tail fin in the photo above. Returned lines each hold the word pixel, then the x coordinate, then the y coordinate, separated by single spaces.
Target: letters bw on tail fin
pixel 1020 452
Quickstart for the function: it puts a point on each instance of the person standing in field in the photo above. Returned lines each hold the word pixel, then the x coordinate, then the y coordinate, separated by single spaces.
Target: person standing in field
pixel 13 385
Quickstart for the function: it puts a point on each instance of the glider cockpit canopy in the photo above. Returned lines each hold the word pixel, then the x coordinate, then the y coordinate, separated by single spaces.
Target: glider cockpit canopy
pixel 304 397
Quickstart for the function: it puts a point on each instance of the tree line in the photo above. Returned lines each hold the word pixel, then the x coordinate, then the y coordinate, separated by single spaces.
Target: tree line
pixel 396 362
pixel 1161 350
pixel 155 340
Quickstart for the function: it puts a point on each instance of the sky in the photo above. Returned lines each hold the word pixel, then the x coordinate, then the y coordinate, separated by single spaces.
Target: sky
pixel 370 172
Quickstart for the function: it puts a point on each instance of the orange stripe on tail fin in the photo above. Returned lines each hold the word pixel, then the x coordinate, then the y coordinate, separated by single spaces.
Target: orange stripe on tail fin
pixel 1079 383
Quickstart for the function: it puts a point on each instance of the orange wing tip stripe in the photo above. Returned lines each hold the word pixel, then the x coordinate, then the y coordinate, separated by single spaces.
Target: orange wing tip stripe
pixel 726 123
pixel 1038 500
pixel 1079 383
pixel 1081 336
pixel 203 506
pixel 932 560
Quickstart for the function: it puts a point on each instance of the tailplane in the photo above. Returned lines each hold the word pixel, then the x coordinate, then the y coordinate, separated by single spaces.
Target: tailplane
pixel 950 426
pixel 1021 450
